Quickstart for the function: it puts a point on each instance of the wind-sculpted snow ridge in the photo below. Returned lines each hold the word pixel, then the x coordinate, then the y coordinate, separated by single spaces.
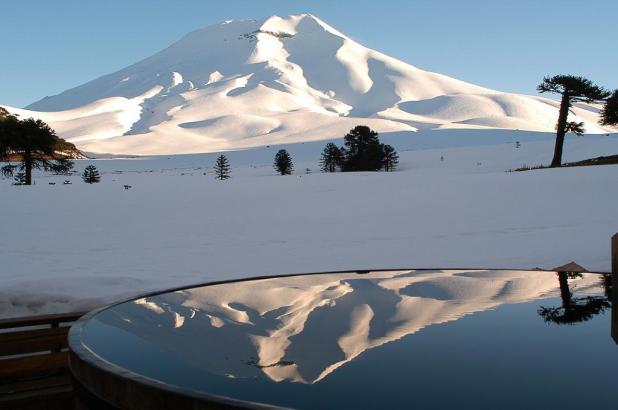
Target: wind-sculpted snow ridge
pixel 301 329
pixel 243 84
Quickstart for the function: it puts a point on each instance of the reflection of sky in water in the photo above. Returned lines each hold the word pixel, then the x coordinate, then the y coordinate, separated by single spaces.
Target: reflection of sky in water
pixel 391 339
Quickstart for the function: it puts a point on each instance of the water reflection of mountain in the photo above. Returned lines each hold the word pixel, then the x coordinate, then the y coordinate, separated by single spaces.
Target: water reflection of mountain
pixel 302 328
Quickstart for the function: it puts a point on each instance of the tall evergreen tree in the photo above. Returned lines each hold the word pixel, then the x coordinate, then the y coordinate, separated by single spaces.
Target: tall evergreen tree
pixel 222 168
pixel 390 158
pixel 362 150
pixel 283 163
pixel 572 89
pixel 332 158
pixel 8 129
pixel 34 145
pixel 91 175
pixel 609 115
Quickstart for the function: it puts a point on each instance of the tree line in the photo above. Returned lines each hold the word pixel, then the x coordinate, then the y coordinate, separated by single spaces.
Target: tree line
pixel 32 144
pixel 362 151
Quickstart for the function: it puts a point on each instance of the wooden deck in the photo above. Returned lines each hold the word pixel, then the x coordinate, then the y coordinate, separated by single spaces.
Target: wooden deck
pixel 34 370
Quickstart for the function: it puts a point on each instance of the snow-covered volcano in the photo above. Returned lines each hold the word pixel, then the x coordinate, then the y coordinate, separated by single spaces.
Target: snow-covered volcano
pixel 242 84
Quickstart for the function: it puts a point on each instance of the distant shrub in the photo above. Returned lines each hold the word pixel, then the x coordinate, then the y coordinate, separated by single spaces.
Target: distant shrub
pixel 525 167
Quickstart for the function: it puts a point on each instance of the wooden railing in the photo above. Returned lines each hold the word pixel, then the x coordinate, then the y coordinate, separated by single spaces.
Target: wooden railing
pixel 34 370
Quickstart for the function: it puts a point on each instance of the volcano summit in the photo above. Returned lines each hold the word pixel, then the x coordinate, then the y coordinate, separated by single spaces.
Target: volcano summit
pixel 241 84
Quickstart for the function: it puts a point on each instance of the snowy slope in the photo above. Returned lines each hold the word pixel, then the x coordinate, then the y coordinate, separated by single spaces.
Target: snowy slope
pixel 75 247
pixel 243 84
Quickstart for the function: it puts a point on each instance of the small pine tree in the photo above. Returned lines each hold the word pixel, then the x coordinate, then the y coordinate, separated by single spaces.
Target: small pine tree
pixel 222 168
pixel 91 175
pixel 332 158
pixel 390 158
pixel 283 163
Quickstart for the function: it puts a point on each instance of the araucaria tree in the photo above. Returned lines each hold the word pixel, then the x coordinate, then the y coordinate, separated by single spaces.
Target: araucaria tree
pixel 572 89
pixel 91 175
pixel 283 163
pixel 331 158
pixel 32 144
pixel 390 159
pixel 222 168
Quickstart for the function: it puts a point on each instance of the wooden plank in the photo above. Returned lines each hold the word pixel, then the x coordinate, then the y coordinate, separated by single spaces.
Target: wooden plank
pixel 36 381
pixel 40 320
pixel 29 341
pixel 57 398
pixel 33 366
pixel 30 386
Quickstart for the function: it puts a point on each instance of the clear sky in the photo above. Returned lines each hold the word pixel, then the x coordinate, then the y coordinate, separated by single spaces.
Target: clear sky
pixel 49 46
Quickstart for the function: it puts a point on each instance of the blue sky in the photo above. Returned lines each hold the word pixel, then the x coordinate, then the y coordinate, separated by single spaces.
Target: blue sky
pixel 49 46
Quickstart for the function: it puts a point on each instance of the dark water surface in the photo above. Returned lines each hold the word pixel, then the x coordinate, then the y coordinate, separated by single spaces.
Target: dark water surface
pixel 401 339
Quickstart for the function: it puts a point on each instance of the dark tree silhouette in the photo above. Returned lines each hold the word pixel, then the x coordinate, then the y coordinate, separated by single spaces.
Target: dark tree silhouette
pixel 575 310
pixel 332 158
pixel 91 175
pixel 362 150
pixel 222 168
pixel 572 89
pixel 609 115
pixel 33 145
pixel 283 163
pixel 390 158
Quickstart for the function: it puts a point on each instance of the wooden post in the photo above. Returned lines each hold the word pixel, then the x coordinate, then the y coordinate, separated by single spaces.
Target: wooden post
pixel 615 288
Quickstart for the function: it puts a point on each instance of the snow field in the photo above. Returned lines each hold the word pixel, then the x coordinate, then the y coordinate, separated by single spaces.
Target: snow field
pixel 72 247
